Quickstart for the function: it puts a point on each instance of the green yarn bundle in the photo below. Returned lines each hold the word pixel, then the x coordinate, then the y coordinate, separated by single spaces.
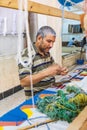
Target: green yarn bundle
pixel 59 106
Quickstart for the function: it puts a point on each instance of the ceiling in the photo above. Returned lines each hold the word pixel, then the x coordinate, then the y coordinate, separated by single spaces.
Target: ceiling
pixel 75 8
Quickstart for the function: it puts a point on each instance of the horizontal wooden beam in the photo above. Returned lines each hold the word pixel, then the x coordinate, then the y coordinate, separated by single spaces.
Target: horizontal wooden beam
pixel 40 9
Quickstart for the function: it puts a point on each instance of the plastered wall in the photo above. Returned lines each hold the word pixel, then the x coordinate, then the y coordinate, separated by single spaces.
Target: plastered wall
pixel 8 73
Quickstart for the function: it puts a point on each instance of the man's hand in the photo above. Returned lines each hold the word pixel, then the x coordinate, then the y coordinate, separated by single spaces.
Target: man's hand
pixel 52 70
pixel 64 71
pixel 55 69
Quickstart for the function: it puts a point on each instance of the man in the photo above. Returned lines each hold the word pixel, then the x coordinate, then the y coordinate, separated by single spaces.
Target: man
pixel 84 42
pixel 71 42
pixel 43 66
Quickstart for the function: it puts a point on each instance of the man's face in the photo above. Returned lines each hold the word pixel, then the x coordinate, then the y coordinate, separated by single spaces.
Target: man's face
pixel 46 43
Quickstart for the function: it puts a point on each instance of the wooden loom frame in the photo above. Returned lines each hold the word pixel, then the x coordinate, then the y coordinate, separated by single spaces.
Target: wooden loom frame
pixel 40 9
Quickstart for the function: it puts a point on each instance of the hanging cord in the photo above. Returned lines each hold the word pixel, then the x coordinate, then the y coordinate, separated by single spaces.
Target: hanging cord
pixel 20 40
pixel 63 18
pixel 23 19
pixel 20 30
pixel 29 47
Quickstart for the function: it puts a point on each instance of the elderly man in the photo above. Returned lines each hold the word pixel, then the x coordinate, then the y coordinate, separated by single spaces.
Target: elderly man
pixel 43 66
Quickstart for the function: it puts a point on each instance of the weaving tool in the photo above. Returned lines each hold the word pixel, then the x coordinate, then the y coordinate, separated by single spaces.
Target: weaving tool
pixel 36 124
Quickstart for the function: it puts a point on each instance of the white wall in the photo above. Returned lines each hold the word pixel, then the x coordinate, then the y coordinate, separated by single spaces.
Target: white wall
pixel 8 49
pixel 8 31
pixel 8 45
pixel 11 20
pixel 8 73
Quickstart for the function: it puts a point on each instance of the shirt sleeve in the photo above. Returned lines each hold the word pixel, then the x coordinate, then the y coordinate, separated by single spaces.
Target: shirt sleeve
pixel 24 71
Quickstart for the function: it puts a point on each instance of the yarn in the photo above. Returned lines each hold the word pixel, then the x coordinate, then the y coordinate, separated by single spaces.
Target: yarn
pixel 23 15
pixel 61 107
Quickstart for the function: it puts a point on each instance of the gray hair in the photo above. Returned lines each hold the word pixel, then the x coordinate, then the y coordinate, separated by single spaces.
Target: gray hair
pixel 45 30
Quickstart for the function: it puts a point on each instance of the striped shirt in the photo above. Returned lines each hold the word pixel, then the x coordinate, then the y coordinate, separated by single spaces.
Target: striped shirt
pixel 39 63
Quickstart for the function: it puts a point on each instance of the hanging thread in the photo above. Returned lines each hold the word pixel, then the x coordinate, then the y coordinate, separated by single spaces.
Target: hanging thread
pixel 23 15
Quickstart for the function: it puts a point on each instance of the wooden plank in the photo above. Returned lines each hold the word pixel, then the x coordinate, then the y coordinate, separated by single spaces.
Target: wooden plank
pixel 37 124
pixel 9 4
pixel 82 20
pixel 40 9
pixel 80 122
